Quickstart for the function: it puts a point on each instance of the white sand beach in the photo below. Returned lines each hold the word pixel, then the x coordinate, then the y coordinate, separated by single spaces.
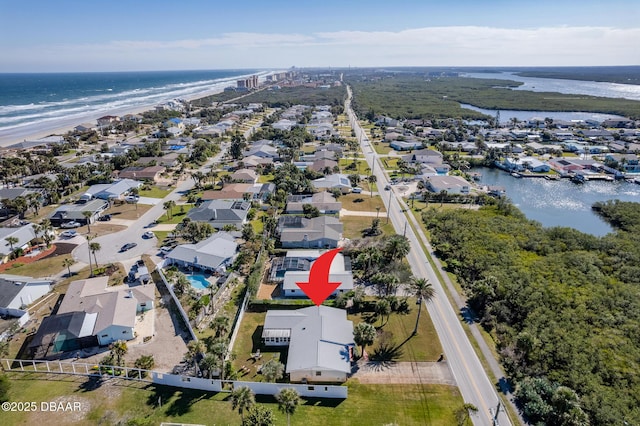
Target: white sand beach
pixel 61 126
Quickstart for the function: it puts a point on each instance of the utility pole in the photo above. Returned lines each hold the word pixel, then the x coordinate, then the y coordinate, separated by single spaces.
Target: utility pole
pixel 389 208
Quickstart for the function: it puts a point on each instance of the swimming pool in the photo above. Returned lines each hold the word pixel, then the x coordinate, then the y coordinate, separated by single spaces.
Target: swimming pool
pixel 198 281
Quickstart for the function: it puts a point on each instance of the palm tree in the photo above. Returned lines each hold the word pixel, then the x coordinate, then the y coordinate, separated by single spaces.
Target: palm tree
pixel 87 216
pixel 258 415
pixel 272 370
pixel 423 290
pixel 288 401
pixel 195 349
pixel 397 247
pixel 94 247
pixel 119 349
pixel 68 262
pixel 221 325
pixel 168 206
pixel 371 179
pixel 220 350
pixel 209 364
pixel 364 334
pixel 242 399
pixel 45 229
pixel 33 200
pixel 11 241
pixel 383 308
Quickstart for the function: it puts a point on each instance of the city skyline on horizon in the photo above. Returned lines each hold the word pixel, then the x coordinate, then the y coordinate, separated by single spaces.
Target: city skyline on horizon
pixel 73 36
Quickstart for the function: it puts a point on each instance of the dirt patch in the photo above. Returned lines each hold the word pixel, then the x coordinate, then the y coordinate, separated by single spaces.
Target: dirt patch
pixel 268 291
pixel 404 372
pixel 63 248
pixel 63 410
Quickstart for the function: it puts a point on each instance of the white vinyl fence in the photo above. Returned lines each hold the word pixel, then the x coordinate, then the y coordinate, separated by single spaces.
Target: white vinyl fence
pixel 176 380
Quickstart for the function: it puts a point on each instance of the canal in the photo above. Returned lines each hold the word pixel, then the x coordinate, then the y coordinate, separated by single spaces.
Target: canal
pixel 561 202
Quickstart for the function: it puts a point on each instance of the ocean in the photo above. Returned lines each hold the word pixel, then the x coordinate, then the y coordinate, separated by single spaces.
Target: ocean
pixel 35 103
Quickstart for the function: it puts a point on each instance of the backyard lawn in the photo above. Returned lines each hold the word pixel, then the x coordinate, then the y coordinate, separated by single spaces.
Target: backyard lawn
pixel 178 213
pixel 122 402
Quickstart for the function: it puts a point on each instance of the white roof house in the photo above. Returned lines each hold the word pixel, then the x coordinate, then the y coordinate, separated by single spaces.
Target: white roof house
pixel 115 190
pixel 320 341
pixel 17 292
pixel 214 253
pixel 337 180
pixel 338 272
pixel 24 234
pixel 449 184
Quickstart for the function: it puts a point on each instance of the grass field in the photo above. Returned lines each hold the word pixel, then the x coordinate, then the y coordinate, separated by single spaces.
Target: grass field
pixel 179 212
pixel 382 148
pixel 123 402
pixel 368 203
pixel 128 211
pixel 154 192
pixel 354 225
pixel 424 346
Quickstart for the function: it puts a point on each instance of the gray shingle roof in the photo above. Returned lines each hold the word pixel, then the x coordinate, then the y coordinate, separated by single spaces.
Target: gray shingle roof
pixel 320 337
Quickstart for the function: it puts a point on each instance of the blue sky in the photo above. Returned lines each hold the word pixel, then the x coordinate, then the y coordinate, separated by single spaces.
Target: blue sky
pixel 48 36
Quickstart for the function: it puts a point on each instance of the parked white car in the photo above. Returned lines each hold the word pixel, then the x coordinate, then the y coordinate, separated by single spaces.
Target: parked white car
pixel 69 234
pixel 72 224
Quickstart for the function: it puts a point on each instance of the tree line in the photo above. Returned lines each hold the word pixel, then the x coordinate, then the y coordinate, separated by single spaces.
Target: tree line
pixel 562 305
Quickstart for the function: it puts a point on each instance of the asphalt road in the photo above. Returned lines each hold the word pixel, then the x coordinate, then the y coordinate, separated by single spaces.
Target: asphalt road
pixel 472 380
pixel 111 244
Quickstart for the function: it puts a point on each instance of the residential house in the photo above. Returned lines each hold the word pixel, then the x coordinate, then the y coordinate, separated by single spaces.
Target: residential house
pixel 262 149
pixel 320 341
pixel 525 163
pixel 284 124
pixel 221 212
pixel 618 123
pixel 75 212
pixel 629 162
pixel 322 131
pixel 111 191
pixel 107 121
pixel 406 145
pixel 317 232
pixel 85 127
pixel 168 160
pixel 424 156
pixel 245 175
pixel 24 235
pixel 323 201
pixel 213 254
pixel 448 184
pixel 17 292
pixel 320 166
pixel 237 191
pixel 338 181
pixel 142 173
pixel 339 272
pixel 92 313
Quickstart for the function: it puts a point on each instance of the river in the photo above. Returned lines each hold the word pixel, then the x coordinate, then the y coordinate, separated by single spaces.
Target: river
pixel 507 114
pixel 561 203
pixel 577 87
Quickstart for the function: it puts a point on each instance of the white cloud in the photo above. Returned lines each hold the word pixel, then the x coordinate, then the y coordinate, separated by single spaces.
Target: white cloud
pixel 435 46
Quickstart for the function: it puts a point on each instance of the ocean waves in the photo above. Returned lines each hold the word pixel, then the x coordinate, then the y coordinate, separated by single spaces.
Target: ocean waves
pixel 116 97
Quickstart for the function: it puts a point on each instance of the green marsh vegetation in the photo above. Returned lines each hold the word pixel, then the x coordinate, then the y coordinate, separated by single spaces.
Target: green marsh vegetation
pixel 563 306
pixel 414 96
